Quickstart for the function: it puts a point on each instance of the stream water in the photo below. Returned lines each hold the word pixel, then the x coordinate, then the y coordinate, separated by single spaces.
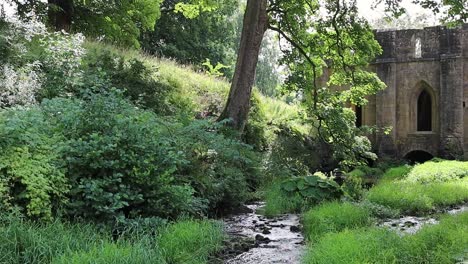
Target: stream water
pixel 411 224
pixel 275 240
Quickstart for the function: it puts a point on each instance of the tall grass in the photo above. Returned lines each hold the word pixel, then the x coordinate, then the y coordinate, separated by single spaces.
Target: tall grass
pixel 27 242
pixel 334 217
pixel 441 171
pixel 279 202
pixel 438 244
pixel 416 198
pixel 396 173
pixel 190 241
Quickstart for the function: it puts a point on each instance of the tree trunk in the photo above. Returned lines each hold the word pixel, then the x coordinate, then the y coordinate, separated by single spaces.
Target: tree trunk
pixel 60 14
pixel 254 27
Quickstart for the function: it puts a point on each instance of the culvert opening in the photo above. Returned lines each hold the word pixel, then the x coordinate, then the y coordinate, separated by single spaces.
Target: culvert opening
pixel 418 156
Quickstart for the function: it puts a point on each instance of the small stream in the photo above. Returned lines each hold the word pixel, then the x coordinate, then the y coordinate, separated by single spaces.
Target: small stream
pixel 273 240
pixel 411 224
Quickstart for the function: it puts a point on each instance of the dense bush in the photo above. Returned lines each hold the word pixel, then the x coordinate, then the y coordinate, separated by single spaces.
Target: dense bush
pixel 117 162
pixel 32 174
pixel 442 171
pixel 278 201
pixel 312 188
pixel 334 217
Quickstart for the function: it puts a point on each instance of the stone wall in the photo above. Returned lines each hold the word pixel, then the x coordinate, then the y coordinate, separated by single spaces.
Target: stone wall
pixel 434 59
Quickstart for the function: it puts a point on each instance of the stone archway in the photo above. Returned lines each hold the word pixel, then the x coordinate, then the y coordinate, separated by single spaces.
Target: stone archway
pixel 418 156
pixel 424 112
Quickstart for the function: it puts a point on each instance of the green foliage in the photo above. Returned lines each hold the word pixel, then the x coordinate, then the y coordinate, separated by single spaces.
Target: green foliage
pixel 334 217
pixel 312 188
pixel 31 169
pixel 396 173
pixel 415 198
pixel 117 163
pixel 214 70
pixel 203 35
pixel 106 67
pixel 442 243
pixel 107 252
pixel 278 201
pixel 26 242
pixel 221 169
pixel 119 22
pixel 354 246
pixel 190 241
pixel 443 171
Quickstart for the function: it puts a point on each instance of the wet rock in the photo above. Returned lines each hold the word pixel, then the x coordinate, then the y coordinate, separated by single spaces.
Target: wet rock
pixel 266 232
pixel 295 229
pixel 262 239
pixel 254 221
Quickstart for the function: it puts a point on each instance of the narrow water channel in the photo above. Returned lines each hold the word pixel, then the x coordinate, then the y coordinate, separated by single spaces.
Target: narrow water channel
pixel 275 240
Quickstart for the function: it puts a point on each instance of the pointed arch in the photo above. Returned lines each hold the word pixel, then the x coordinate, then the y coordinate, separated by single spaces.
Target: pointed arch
pixel 424 111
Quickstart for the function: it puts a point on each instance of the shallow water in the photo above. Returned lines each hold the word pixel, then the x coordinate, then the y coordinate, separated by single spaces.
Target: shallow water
pixel 274 240
pixel 411 224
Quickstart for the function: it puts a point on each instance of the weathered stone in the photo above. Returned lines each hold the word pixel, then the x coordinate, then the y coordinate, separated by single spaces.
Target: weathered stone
pixel 433 60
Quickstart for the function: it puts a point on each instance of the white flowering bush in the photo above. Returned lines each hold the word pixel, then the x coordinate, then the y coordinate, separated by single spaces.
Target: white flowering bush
pixel 19 86
pixel 36 63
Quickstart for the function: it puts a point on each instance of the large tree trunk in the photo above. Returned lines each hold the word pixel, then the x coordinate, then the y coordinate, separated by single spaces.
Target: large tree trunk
pixel 254 27
pixel 60 14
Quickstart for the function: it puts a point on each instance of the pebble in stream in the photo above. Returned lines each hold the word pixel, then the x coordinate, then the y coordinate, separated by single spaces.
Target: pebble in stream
pixel 278 239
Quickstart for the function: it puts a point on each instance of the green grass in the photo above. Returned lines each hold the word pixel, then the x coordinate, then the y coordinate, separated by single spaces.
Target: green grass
pixel 187 241
pixel 444 243
pixel 396 173
pixel 367 245
pixel 416 198
pixel 27 242
pixel 135 253
pixel 442 171
pixel 190 241
pixel 279 202
pixel 334 217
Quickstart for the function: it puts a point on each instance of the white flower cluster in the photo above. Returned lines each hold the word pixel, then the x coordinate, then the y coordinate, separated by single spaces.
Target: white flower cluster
pixel 21 79
pixel 19 86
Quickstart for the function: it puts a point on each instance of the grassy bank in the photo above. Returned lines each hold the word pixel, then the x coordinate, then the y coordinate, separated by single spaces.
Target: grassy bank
pixel 443 243
pixel 187 241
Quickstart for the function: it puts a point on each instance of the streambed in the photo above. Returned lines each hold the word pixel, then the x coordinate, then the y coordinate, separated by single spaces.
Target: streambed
pixel 273 240
pixel 411 224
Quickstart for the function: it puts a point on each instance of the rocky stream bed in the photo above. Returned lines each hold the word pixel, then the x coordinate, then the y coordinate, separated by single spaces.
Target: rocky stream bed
pixel 256 239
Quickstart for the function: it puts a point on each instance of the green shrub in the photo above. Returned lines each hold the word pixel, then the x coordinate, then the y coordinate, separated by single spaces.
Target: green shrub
pixel 220 169
pixel 416 198
pixel 117 162
pixel 106 67
pixel 396 173
pixel 442 171
pixel 334 217
pixel 368 245
pixel 31 170
pixel 278 201
pixel 312 188
pixel 190 242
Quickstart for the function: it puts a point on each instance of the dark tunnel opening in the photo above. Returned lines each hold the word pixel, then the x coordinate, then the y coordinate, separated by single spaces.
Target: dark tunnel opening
pixel 418 156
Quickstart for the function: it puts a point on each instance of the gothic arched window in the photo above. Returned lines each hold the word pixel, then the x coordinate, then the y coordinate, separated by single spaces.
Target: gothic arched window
pixel 424 111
